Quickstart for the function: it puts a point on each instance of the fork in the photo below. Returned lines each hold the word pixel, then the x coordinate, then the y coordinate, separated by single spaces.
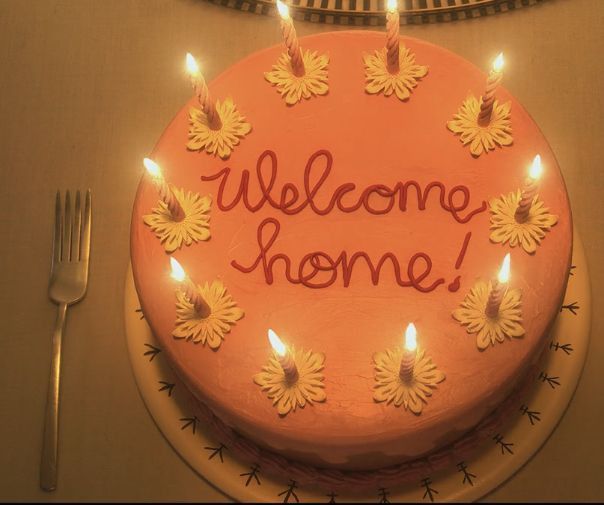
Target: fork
pixel 68 281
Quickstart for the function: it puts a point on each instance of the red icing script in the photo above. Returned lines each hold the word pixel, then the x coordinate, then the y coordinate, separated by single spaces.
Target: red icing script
pixel 318 269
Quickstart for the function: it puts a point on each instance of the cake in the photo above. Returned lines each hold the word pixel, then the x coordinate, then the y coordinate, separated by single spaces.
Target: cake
pixel 335 221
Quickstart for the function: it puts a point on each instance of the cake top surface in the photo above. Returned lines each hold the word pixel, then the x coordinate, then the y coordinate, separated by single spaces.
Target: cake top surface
pixel 353 178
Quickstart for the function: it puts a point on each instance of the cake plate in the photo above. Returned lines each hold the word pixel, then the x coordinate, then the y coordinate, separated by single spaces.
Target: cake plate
pixel 504 453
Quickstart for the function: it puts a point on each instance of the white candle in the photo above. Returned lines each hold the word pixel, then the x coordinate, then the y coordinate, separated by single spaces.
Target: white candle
pixel 529 190
pixel 284 357
pixel 207 104
pixel 409 354
pixel 499 287
pixel 191 291
pixel 291 40
pixel 488 99
pixel 165 192
pixel 392 36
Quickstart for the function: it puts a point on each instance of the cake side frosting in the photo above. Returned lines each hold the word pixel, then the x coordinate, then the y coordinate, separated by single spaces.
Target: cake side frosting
pixel 376 143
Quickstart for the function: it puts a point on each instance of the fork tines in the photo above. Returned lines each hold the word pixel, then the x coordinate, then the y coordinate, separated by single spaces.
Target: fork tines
pixel 71 241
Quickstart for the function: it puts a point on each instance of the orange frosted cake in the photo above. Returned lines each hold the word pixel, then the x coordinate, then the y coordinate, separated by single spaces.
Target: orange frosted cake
pixel 335 208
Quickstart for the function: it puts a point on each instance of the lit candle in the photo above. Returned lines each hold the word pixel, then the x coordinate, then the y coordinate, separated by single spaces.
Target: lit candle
pixel 488 99
pixel 203 94
pixel 392 36
pixel 409 353
pixel 165 192
pixel 291 39
pixel 498 289
pixel 284 357
pixel 191 291
pixel 529 191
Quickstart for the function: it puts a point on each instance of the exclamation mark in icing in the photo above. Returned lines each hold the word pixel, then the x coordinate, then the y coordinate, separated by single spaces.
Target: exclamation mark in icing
pixel 454 286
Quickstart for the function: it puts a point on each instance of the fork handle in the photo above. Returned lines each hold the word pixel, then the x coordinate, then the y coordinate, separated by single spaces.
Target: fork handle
pixel 48 466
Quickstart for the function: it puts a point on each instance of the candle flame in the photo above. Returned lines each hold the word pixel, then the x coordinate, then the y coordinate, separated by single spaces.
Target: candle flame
pixel 177 273
pixel 392 5
pixel 498 63
pixel 283 9
pixel 192 66
pixel 504 273
pixel 152 167
pixel 276 343
pixel 410 338
pixel 536 168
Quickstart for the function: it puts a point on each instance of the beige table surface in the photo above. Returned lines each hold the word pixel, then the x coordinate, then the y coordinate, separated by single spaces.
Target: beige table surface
pixel 86 88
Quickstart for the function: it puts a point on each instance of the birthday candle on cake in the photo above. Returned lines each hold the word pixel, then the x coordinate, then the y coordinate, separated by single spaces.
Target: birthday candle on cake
pixel 190 290
pixel 165 192
pixel 207 104
pixel 409 354
pixel 488 99
pixel 529 191
pixel 392 36
pixel 284 357
pixel 499 287
pixel 291 39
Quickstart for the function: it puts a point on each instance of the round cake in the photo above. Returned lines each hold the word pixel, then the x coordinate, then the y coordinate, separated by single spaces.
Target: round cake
pixel 335 221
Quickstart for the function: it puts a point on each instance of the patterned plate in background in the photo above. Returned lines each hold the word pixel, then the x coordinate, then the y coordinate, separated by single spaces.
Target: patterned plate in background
pixel 372 12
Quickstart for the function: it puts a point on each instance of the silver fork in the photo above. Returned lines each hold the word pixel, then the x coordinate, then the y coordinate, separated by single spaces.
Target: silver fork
pixel 68 281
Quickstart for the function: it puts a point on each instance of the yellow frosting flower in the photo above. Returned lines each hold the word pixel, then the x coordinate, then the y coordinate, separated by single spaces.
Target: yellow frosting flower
pixel 194 227
pixel 507 323
pixel 482 139
pixel 379 79
pixel 308 388
pixel 528 234
pixel 390 388
pixel 222 141
pixel 213 328
pixel 294 88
